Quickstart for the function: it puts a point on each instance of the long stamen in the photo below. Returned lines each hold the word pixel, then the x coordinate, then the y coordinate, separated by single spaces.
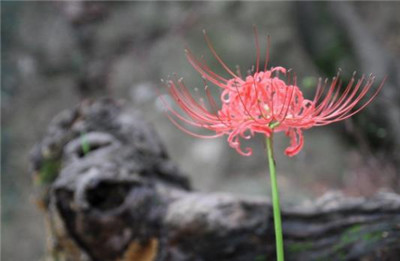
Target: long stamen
pixel 205 71
pixel 349 98
pixel 287 106
pixel 369 100
pixel 324 102
pixel 343 98
pixel 257 97
pixel 350 103
pixel 217 56
pixel 344 113
pixel 239 73
pixel 214 106
pixel 257 48
pixel 190 132
pixel 243 104
pixel 267 53
pixel 320 90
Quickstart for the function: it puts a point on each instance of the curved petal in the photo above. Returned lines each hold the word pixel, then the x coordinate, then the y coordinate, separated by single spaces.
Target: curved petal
pixel 296 142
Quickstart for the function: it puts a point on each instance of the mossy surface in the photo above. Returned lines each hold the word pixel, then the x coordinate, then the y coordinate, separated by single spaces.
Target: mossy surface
pixel 299 247
pixel 49 171
pixel 261 258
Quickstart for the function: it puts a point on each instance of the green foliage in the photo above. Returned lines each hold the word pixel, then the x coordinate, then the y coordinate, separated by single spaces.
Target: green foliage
pixel 84 144
pixel 299 247
pixel 49 171
pixel 352 235
pixel 309 82
pixel 261 258
pixel 372 237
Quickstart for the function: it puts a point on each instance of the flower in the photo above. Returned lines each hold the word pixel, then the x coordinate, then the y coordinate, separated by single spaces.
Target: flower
pixel 264 103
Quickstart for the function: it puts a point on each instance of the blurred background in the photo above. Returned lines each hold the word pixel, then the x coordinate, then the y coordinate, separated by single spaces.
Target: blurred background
pixel 56 54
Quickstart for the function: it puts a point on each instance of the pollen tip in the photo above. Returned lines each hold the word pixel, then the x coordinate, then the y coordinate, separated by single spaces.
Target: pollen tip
pixel 204 31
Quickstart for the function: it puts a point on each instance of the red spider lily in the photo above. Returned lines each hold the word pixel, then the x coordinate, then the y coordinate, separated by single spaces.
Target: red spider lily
pixel 264 103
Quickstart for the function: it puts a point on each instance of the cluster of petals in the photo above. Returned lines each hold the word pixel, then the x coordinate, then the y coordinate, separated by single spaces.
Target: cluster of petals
pixel 264 102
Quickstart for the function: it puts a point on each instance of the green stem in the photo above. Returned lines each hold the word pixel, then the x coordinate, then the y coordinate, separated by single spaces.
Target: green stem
pixel 275 201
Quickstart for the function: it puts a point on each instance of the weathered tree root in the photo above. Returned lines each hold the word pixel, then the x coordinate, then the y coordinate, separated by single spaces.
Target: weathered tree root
pixel 110 192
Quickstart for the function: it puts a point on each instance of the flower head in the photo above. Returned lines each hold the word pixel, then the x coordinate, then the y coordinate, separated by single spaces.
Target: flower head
pixel 264 103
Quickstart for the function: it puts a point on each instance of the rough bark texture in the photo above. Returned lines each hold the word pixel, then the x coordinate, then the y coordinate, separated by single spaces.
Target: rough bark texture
pixel 110 192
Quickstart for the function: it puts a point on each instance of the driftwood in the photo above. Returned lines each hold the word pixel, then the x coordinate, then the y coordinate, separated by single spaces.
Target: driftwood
pixel 110 192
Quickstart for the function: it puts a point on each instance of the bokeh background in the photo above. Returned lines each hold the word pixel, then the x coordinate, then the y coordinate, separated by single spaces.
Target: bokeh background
pixel 56 54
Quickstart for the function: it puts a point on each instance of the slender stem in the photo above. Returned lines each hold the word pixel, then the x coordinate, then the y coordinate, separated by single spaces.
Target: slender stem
pixel 275 201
